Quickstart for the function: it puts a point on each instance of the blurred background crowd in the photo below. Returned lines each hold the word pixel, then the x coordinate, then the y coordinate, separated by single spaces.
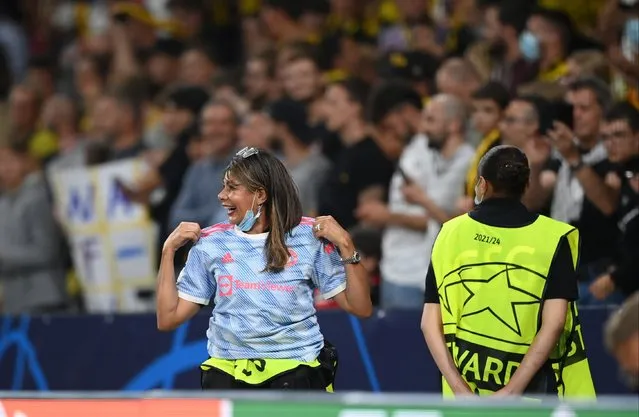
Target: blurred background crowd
pixel 381 109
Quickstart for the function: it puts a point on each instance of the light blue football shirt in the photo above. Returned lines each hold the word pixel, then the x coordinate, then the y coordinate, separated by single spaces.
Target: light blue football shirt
pixel 257 314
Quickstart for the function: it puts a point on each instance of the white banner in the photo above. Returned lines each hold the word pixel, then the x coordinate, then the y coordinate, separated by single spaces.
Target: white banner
pixel 112 239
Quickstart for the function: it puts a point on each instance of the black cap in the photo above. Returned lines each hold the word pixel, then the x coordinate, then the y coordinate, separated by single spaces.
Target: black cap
pixel 294 116
pixel 189 98
pixel 410 66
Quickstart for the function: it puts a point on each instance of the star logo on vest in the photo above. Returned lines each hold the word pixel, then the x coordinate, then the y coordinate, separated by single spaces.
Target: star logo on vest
pixel 496 296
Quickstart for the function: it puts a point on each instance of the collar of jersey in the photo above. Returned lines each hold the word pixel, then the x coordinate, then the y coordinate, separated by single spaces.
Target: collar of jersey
pixel 256 236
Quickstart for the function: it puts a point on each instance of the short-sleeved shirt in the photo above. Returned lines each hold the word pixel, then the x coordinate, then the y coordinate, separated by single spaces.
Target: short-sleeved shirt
pixel 562 277
pixel 259 314
pixel 358 167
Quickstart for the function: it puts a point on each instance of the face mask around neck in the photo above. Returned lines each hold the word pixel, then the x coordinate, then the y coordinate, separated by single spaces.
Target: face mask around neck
pixel 250 218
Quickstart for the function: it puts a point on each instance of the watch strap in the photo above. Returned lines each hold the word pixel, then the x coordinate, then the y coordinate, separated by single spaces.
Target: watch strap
pixel 354 259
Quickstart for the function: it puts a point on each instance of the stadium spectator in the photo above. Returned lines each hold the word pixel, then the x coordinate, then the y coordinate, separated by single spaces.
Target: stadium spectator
pixel 423 193
pixel 621 137
pixel 511 60
pixel 197 67
pixel 575 186
pixel 550 35
pixel 197 200
pixel 364 161
pixel 458 78
pixel 118 122
pixel 523 124
pixel 96 77
pixel 259 79
pixel 622 339
pixel 489 103
pixel 307 166
pixel 32 269
pixel 256 131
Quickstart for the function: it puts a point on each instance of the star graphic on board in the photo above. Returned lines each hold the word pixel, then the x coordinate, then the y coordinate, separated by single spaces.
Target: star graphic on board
pixel 502 306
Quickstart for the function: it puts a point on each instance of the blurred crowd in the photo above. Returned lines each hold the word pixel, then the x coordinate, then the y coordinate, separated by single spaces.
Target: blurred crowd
pixel 381 110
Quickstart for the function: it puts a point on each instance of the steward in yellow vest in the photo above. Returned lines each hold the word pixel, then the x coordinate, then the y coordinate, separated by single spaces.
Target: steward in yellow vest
pixel 500 315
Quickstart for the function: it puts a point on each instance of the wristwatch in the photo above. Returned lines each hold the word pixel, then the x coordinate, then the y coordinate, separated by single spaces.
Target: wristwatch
pixel 353 260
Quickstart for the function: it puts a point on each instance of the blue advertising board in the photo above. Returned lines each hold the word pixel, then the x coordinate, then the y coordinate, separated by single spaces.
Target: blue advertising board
pixel 126 352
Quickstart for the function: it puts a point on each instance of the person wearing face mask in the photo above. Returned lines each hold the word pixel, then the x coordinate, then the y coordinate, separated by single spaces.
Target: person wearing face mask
pixel 547 41
pixel 260 270
pixel 501 291
pixel 511 55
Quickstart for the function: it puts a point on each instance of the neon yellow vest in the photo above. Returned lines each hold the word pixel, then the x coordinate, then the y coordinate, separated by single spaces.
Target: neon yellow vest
pixel 491 283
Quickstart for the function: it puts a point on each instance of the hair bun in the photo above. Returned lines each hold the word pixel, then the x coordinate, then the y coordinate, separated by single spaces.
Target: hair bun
pixel 513 171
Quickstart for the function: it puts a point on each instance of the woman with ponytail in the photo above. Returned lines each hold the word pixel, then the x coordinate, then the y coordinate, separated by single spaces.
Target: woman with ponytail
pixel 260 270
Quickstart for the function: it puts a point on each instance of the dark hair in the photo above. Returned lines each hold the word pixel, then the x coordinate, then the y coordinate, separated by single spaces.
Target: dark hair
pixel 542 111
pixel 485 4
pixel 207 51
pixel 133 107
pixel 560 21
pixel 294 9
pixel 16 145
pixel 220 102
pixel 267 56
pixel 282 207
pixel 599 88
pixel 390 95
pixel 494 91
pixel 514 13
pixel 626 112
pixel 307 53
pixel 367 240
pixel 356 89
pixel 5 75
pixel 506 169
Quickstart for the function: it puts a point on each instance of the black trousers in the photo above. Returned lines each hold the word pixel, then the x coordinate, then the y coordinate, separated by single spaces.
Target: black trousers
pixel 301 378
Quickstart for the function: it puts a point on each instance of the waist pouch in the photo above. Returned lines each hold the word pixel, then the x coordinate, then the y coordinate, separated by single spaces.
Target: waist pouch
pixel 261 371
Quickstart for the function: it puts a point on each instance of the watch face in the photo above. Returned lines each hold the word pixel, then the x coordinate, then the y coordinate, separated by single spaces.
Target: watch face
pixel 356 257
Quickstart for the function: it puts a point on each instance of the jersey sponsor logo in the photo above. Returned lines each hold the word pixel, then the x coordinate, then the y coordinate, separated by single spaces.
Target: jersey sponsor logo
pixel 227 284
pixel 227 258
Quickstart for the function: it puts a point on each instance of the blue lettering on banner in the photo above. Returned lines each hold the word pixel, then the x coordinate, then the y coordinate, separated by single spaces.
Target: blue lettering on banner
pixel 81 204
pixel 88 256
pixel 130 252
pixel 117 201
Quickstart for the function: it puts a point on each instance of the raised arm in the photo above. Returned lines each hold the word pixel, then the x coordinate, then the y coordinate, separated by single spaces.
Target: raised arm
pixel 352 292
pixel 176 306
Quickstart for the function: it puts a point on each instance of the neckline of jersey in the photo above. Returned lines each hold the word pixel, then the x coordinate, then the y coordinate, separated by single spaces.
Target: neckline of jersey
pixel 254 236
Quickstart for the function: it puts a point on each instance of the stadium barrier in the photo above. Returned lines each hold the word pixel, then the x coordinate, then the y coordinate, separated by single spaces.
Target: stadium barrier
pixel 385 353
pixel 163 404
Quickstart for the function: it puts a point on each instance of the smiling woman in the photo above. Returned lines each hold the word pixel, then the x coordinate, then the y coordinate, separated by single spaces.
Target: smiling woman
pixel 261 269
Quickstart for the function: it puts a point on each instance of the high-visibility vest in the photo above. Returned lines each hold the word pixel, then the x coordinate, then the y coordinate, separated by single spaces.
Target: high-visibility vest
pixel 491 284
